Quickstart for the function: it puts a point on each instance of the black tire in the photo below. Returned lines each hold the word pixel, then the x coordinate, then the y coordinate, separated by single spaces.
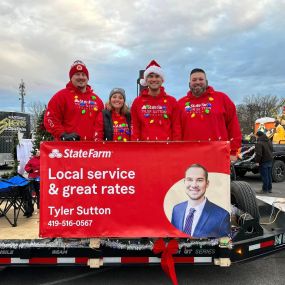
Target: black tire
pixel 240 172
pixel 278 171
pixel 244 198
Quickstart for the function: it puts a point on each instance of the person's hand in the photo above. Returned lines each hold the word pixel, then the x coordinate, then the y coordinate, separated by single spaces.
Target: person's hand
pixel 233 158
pixel 70 137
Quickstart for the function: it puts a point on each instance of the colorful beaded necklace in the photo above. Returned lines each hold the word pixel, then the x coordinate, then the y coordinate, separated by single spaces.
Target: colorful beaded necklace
pixel 204 109
pixel 123 130
pixel 163 114
pixel 87 105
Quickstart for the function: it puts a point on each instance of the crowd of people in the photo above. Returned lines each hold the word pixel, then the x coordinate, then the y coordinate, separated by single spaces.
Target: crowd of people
pixel 76 113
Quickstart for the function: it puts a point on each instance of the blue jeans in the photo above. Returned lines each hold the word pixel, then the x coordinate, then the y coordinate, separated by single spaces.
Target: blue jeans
pixel 265 169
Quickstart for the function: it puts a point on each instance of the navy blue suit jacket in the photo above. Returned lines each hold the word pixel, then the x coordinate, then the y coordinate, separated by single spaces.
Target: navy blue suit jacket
pixel 213 222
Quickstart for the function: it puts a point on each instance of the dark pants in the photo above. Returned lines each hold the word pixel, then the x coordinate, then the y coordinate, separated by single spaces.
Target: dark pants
pixel 28 201
pixel 35 186
pixel 265 169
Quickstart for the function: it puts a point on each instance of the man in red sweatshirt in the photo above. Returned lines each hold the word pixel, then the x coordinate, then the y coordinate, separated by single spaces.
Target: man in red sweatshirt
pixel 72 112
pixel 155 114
pixel 208 115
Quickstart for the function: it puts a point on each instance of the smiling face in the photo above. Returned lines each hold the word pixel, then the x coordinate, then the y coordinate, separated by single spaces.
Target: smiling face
pixel 80 81
pixel 196 184
pixel 154 81
pixel 117 101
pixel 198 83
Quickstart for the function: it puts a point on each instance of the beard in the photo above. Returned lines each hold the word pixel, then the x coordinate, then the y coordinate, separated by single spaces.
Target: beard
pixel 198 90
pixel 81 84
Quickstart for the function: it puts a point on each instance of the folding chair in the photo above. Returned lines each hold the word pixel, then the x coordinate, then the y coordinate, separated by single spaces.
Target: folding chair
pixel 13 196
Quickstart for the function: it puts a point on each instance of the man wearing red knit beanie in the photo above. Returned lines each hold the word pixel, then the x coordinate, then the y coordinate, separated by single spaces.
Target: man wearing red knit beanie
pixel 72 112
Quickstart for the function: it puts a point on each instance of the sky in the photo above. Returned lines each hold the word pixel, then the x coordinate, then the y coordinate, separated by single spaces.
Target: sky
pixel 240 45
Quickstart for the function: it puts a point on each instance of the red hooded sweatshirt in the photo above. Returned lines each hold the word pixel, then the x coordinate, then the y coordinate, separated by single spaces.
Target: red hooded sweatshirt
pixel 155 117
pixel 71 111
pixel 211 116
pixel 33 167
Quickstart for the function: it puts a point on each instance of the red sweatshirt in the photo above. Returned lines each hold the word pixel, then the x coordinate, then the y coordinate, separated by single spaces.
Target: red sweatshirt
pixel 115 128
pixel 211 116
pixel 71 111
pixel 33 167
pixel 155 117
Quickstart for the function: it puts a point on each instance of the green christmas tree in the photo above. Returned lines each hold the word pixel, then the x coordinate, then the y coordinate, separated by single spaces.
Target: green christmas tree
pixel 41 133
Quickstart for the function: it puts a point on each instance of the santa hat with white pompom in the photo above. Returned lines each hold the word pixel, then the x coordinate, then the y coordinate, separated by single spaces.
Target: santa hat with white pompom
pixel 153 67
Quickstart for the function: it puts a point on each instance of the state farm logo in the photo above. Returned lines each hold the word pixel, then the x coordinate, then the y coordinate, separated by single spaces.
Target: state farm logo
pixel 72 153
pixel 55 154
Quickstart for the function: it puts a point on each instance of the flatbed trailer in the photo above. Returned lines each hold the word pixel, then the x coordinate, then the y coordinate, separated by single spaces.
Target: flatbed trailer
pixel 257 227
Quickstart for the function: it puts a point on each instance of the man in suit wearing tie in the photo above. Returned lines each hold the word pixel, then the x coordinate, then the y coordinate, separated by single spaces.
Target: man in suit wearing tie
pixel 198 217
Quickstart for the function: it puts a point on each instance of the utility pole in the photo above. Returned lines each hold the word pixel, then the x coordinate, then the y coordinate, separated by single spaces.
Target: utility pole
pixel 139 87
pixel 22 94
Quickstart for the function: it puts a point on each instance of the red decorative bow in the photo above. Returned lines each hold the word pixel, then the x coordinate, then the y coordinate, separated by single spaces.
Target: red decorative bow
pixel 167 262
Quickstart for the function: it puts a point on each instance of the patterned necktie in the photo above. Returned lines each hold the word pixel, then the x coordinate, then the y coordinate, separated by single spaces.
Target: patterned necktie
pixel 189 221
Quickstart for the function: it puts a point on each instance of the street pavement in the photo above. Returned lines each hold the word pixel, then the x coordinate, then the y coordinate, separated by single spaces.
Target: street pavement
pixel 278 189
pixel 267 270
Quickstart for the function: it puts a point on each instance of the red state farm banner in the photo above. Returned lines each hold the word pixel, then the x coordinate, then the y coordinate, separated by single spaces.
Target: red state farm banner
pixel 135 189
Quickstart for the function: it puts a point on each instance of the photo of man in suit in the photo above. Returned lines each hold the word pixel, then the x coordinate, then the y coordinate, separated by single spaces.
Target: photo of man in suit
pixel 198 217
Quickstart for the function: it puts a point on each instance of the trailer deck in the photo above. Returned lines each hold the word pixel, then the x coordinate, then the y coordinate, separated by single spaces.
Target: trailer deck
pixel 21 245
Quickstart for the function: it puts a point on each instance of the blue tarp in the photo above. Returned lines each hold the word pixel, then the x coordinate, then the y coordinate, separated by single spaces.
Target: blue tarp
pixel 8 184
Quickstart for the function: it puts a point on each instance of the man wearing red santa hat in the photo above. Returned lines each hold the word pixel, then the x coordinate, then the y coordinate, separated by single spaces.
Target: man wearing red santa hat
pixel 72 112
pixel 155 114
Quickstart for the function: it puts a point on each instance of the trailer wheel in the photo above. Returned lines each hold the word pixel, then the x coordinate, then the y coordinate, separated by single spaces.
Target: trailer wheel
pixel 243 197
pixel 278 171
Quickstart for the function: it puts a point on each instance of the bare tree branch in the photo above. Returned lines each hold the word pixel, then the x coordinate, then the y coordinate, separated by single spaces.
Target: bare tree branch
pixel 254 107
pixel 35 109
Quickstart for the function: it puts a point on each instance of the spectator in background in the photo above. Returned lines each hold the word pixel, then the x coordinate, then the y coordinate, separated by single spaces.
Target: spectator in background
pixel 33 169
pixel 72 112
pixel 264 157
pixel 115 120
pixel 279 134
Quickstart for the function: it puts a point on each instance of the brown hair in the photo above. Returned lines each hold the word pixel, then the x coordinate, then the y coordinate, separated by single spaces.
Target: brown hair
pixel 124 110
pixel 197 165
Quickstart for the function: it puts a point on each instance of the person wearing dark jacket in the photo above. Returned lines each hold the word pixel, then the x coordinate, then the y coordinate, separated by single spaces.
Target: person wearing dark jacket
pixel 115 120
pixel 264 157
